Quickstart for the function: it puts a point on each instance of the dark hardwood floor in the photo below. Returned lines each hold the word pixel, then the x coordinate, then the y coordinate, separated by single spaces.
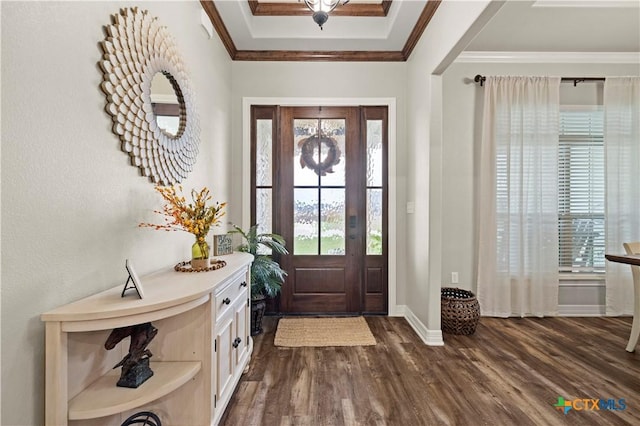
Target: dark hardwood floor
pixel 510 372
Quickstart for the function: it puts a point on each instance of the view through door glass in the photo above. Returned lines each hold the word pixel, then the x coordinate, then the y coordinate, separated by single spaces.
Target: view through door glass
pixel 328 202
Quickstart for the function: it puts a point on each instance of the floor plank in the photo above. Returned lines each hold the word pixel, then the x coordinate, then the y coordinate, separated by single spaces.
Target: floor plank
pixel 510 372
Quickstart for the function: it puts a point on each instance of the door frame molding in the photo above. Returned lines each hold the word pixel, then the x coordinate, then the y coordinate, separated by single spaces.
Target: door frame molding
pixel 390 103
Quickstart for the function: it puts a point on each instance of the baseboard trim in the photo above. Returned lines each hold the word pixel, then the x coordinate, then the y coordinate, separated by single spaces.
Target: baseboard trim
pixel 397 311
pixel 581 310
pixel 434 337
pixel 429 337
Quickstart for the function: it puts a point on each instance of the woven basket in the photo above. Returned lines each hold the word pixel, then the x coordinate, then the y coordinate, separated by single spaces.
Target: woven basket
pixel 460 311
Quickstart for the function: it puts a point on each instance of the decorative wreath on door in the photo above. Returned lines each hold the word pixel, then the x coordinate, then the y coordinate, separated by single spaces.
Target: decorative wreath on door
pixel 307 159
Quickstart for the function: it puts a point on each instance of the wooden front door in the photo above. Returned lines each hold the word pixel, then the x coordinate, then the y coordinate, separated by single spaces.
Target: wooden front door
pixel 328 191
pixel 323 209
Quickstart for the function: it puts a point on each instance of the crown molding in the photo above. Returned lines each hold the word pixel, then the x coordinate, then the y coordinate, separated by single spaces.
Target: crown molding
pixel 424 19
pixel 301 9
pixel 319 56
pixel 329 56
pixel 220 27
pixel 586 3
pixel 550 57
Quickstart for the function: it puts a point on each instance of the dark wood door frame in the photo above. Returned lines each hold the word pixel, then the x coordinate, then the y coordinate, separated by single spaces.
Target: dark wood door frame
pixel 377 294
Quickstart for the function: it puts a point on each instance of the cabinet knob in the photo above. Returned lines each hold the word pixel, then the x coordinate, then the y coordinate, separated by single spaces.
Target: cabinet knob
pixel 244 284
pixel 226 301
pixel 237 342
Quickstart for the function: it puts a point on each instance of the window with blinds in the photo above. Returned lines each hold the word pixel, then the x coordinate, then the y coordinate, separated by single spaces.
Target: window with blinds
pixel 581 186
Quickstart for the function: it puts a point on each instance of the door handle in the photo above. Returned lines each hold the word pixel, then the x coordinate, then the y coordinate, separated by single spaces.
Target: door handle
pixel 237 342
pixel 226 301
pixel 353 223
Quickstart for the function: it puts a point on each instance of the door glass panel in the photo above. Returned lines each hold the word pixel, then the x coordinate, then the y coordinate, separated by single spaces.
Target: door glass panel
pixel 264 150
pixel 321 155
pixel 264 201
pixel 303 130
pixel 332 152
pixel 374 152
pixel 332 216
pixel 319 186
pixel 305 221
pixel 374 187
pixel 374 221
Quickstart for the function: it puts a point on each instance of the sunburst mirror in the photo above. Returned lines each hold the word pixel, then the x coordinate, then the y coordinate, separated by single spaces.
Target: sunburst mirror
pixel 160 135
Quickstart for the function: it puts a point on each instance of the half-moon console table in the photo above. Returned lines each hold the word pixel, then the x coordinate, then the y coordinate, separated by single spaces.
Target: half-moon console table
pixel 199 353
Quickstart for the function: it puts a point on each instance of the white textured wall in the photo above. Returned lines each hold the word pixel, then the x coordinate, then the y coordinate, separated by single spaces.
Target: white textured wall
pixel 463 100
pixel 70 200
pixel 451 28
pixel 326 80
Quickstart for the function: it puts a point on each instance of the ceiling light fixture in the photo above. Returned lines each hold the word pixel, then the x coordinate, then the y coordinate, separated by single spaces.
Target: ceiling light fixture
pixel 322 8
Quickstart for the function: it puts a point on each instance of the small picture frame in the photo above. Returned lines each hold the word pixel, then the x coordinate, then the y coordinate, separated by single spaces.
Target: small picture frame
pixel 134 279
pixel 222 244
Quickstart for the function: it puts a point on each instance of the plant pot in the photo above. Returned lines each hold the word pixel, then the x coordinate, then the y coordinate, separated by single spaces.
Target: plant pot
pixel 258 306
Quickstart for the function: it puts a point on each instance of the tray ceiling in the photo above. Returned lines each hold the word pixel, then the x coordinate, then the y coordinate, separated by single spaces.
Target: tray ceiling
pixel 357 31
pixel 388 30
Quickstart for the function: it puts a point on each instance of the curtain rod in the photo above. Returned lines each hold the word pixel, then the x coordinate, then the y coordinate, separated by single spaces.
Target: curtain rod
pixel 481 79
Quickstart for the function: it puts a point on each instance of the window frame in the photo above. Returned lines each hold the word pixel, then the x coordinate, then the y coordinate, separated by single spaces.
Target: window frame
pixel 596 273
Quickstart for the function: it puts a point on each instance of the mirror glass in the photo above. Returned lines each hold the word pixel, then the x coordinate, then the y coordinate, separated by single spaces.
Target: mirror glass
pixel 149 97
pixel 164 101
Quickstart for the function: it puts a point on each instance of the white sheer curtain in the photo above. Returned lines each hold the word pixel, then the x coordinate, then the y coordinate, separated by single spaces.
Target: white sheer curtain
pixel 622 150
pixel 518 200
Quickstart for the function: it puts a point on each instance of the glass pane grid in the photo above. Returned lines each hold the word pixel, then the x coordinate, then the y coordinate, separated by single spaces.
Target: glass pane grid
pixel 319 152
pixel 263 166
pixel 319 187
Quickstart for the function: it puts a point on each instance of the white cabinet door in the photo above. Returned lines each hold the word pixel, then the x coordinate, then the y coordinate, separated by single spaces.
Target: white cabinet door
pixel 242 331
pixel 232 339
pixel 225 362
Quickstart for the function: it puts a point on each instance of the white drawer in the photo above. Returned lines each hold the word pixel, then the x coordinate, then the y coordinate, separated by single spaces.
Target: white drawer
pixel 225 296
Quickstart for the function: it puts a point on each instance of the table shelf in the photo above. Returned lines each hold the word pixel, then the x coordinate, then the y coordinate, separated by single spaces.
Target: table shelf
pixel 104 398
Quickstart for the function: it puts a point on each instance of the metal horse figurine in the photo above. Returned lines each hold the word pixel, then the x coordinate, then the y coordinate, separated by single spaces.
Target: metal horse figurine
pixel 135 365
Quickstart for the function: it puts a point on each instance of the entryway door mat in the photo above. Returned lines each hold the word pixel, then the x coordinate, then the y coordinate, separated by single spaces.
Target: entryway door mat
pixel 319 332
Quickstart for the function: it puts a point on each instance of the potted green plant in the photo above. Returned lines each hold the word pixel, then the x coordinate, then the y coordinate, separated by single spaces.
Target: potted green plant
pixel 266 274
